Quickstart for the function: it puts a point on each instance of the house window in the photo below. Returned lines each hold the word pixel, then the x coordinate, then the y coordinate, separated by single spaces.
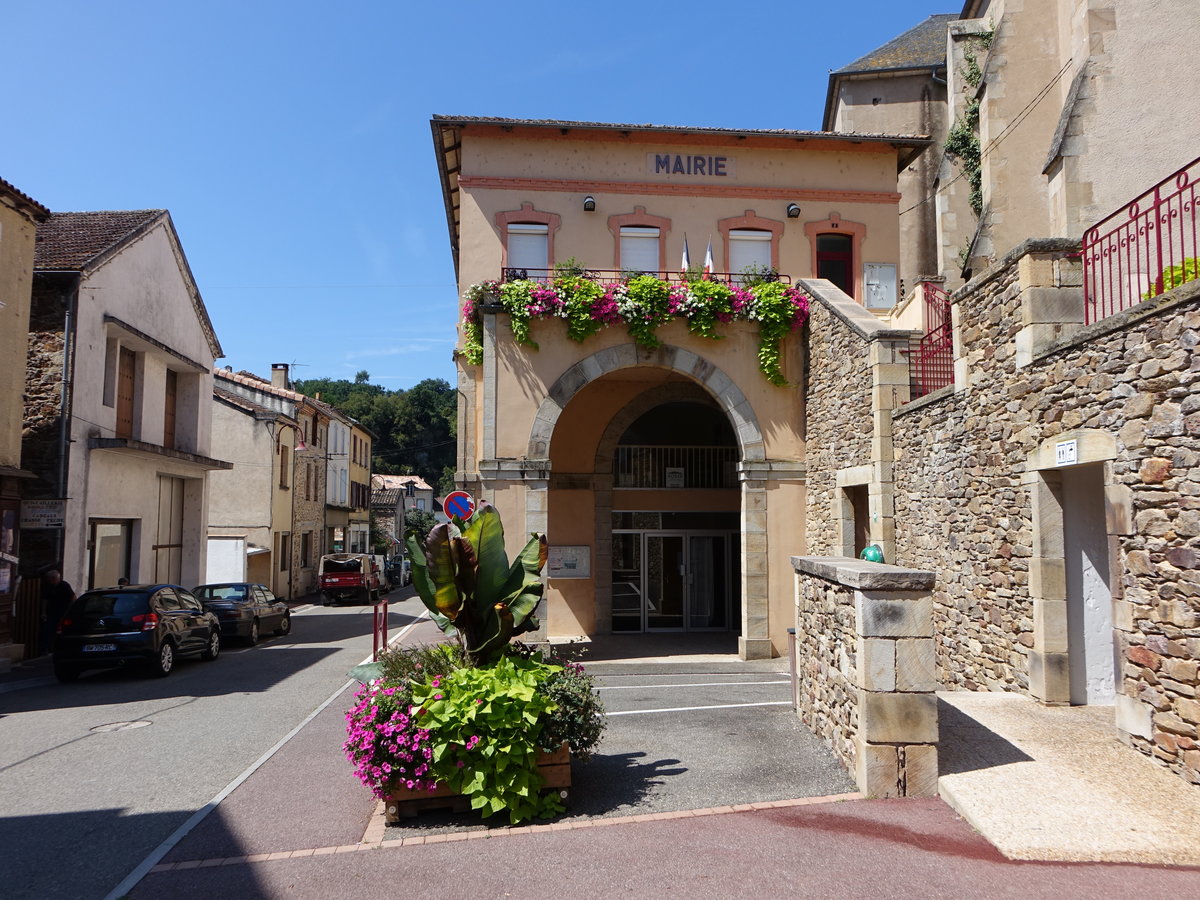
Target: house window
pixel 835 260
pixel 528 246
pixel 421 505
pixel 285 552
pixel 749 248
pixel 306 549
pixel 639 248
pixel 284 453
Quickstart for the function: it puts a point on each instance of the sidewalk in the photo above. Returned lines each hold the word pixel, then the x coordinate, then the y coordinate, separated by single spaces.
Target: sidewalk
pixel 302 826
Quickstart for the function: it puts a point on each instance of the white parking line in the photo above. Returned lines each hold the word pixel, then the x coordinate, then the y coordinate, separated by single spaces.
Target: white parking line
pixel 642 712
pixel 657 687
pixel 198 816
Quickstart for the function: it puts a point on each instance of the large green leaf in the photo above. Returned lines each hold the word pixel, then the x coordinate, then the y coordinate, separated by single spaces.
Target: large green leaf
pixel 486 534
pixel 439 561
pixel 367 672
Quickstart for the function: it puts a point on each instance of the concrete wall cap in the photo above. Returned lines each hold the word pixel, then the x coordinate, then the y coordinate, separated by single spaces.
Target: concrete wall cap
pixel 863 575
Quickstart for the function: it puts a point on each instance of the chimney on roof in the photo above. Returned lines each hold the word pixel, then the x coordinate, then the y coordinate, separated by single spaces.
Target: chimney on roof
pixel 279 375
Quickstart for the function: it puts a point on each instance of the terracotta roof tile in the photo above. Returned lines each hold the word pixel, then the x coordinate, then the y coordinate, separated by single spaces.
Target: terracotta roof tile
pixel 73 240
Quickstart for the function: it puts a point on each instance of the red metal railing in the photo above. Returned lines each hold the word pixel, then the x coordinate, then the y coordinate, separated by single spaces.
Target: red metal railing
pixel 1144 248
pixel 932 360
pixel 379 628
pixel 547 275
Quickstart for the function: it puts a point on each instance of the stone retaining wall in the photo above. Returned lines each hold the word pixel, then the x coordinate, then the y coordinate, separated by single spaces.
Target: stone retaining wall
pixel 978 498
pixel 864 650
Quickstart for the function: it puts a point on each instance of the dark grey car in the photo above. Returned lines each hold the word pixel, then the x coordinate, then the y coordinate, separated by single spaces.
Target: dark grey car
pixel 246 610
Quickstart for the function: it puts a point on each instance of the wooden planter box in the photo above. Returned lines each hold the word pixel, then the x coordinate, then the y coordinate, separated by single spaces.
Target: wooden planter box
pixel 404 803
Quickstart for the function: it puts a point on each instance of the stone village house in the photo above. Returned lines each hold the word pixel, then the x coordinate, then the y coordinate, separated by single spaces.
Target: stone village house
pixel 117 401
pixel 19 217
pixel 297 489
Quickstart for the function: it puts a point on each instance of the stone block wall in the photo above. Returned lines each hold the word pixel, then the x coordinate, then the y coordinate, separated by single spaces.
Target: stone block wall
pixel 838 426
pixel 976 492
pixel 864 653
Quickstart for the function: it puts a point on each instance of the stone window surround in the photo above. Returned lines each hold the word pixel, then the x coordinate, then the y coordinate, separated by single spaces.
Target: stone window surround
pixel 527 215
pixel 639 218
pixel 835 224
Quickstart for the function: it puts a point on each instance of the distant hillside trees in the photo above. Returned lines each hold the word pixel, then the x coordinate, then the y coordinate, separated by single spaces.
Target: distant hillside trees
pixel 415 428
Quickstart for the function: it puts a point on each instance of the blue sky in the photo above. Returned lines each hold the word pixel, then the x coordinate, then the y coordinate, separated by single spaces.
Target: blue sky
pixel 291 142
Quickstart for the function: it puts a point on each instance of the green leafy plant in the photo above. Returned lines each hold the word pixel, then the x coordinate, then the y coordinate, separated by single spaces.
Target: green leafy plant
pixel 1173 276
pixel 485 728
pixel 777 308
pixel 515 297
pixel 578 716
pixel 463 576
pixel 644 307
pixel 569 268
pixel 757 273
pixel 579 296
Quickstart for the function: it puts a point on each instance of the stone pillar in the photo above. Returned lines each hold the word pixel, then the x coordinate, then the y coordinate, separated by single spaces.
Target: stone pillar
pixel 755 639
pixel 892 731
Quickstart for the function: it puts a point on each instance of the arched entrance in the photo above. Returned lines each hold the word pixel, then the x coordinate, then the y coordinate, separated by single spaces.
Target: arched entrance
pixel 654 461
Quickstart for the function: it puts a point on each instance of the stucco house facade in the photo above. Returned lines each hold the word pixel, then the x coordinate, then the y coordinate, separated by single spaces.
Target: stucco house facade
pixel 670 481
pixel 19 218
pixel 119 388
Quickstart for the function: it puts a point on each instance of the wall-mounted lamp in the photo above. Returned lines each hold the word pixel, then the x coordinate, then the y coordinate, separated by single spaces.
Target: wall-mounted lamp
pixel 589 203
pixel 793 211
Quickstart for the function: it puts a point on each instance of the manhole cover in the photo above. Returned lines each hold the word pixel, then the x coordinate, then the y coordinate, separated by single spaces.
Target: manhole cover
pixel 120 726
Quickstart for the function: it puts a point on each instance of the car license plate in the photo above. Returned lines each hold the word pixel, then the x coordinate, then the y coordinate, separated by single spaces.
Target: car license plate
pixel 99 648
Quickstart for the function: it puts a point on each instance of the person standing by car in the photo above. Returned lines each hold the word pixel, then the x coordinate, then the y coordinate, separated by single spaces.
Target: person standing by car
pixel 56 597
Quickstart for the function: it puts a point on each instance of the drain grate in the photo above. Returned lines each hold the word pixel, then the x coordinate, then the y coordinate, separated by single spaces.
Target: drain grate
pixel 119 726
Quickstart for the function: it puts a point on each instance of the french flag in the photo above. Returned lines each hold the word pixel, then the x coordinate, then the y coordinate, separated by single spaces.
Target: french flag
pixel 708 260
pixel 686 263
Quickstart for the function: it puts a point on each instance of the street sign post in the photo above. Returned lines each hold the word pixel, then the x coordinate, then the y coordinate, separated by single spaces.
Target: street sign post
pixel 459 504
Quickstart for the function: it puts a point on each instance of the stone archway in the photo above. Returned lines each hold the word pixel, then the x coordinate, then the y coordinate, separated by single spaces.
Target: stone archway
pixel 753 469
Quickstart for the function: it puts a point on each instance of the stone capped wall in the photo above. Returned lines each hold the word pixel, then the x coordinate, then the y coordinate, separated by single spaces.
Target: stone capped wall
pixel 965 499
pixel 839 424
pixel 825 664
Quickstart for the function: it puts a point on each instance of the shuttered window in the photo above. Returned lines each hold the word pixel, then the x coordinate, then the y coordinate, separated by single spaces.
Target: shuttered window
pixel 125 385
pixel 639 248
pixel 172 396
pixel 749 248
pixel 528 246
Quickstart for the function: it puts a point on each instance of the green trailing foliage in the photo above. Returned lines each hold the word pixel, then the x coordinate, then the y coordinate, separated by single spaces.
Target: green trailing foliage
pixel 463 576
pixel 1173 276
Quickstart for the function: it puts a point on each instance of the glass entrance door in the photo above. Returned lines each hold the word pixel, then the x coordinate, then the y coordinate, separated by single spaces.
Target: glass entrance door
pixel 667 581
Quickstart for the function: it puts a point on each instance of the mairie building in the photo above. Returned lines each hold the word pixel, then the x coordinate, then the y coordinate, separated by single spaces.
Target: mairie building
pixel 661 446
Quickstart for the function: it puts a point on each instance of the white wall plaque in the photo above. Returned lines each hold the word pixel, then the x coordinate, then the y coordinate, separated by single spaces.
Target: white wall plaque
pixel 1066 453
pixel 43 513
pixel 674 476
pixel 569 562
pixel 880 279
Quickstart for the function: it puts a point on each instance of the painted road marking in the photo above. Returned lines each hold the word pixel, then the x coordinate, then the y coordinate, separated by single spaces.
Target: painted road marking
pixel 657 687
pixel 156 855
pixel 642 712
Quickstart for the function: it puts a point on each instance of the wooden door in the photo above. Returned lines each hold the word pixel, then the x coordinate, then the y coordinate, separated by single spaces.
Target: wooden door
pixel 125 381
pixel 172 393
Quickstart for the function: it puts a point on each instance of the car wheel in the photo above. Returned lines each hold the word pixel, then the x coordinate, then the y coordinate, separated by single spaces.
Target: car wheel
pixel 213 650
pixel 285 625
pixel 252 637
pixel 65 673
pixel 162 666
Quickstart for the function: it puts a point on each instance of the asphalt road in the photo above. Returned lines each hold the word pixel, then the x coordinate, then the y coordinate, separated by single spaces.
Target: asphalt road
pixel 80 807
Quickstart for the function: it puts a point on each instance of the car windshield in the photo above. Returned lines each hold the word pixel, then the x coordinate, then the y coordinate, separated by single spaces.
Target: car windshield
pixel 109 603
pixel 342 565
pixel 221 592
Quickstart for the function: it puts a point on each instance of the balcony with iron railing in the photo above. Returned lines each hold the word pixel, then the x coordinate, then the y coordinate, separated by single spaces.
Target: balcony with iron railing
pixel 673 467
pixel 1146 247
pixel 545 276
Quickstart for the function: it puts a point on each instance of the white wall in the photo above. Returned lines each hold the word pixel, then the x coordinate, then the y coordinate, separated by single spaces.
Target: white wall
pixel 226 560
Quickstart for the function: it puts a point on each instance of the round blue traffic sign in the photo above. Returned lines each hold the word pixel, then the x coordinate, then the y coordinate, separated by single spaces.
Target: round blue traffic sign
pixel 459 504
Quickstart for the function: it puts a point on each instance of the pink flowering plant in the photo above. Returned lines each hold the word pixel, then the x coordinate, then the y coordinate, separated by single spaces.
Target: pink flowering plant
pixel 642 303
pixel 385 742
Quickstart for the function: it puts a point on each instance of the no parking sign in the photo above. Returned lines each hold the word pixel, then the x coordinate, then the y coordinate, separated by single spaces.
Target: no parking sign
pixel 459 504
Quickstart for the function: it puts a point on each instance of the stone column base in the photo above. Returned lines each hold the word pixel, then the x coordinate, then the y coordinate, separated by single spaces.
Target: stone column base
pixel 754 648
